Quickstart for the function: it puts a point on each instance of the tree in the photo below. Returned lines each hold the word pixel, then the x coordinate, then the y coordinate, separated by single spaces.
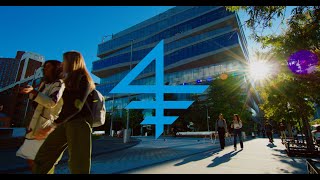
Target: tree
pixel 263 17
pixel 136 117
pixel 229 97
pixel 288 96
pixel 196 113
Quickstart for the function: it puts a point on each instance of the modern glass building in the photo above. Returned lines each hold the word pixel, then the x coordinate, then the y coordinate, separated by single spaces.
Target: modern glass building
pixel 201 42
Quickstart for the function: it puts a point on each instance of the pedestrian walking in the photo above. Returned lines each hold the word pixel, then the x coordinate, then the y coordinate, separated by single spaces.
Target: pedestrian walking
pixel 269 133
pixel 221 128
pixel 48 104
pixel 237 131
pixel 72 128
pixel 282 130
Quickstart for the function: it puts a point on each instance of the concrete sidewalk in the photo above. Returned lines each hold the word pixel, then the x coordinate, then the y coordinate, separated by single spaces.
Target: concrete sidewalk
pixel 148 152
pixel 11 164
pixel 257 157
pixel 182 155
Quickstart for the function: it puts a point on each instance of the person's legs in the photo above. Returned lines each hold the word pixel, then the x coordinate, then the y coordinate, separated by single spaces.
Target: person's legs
pixel 79 146
pixel 283 136
pixel 221 137
pixel 235 139
pixel 30 163
pixel 50 151
pixel 268 135
pixel 240 139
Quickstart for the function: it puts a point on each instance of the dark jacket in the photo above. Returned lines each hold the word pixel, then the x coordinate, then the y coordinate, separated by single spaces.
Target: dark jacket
pixel 74 102
pixel 268 127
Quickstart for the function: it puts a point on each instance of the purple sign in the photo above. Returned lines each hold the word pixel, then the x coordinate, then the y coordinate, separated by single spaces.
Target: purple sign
pixel 303 62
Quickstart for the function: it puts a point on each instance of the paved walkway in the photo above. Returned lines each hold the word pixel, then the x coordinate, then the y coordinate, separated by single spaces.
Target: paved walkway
pixel 147 153
pixel 257 157
pixel 183 155
pixel 11 164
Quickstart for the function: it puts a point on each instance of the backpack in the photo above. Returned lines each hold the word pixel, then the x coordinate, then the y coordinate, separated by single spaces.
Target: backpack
pixel 98 108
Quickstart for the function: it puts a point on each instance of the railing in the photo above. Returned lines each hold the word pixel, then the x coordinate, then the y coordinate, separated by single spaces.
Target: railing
pixel 203 134
pixel 312 166
pixel 295 147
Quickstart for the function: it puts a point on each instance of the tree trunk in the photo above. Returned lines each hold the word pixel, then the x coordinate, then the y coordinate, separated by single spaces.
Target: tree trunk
pixel 289 129
pixel 306 127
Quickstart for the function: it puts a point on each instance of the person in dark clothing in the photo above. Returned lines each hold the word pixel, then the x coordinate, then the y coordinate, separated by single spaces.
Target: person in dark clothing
pixel 268 128
pixel 174 131
pixel 282 130
pixel 72 128
pixel 221 128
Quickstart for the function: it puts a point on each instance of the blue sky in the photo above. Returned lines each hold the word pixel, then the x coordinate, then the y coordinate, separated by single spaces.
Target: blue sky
pixel 53 30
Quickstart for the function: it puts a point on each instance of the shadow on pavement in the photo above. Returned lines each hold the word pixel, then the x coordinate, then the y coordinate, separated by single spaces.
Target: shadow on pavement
pixel 223 159
pixel 299 164
pixel 197 157
pixel 11 164
pixel 282 151
pixel 201 156
pixel 296 163
pixel 270 145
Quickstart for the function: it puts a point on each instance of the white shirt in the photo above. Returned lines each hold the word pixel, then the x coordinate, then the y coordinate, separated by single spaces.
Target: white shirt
pixel 235 125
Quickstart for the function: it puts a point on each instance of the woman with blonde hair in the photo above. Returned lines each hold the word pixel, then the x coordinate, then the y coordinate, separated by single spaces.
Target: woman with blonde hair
pixel 237 125
pixel 74 125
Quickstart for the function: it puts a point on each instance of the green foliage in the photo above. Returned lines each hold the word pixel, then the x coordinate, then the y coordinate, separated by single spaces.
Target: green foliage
pixel 228 97
pixel 263 16
pixel 136 116
pixel 316 121
pixel 288 96
pixel 285 99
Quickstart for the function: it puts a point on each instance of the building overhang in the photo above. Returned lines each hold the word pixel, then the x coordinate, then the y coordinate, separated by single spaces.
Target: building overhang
pixel 229 53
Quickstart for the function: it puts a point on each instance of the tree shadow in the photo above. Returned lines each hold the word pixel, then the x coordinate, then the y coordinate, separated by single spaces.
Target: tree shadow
pixel 271 145
pixel 282 151
pixel 297 164
pixel 197 157
pixel 223 159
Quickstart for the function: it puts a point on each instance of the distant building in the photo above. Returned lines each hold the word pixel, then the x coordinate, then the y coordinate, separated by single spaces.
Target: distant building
pixel 8 69
pixel 16 106
pixel 200 43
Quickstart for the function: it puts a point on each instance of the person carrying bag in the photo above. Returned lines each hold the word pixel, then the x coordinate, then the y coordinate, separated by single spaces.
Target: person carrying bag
pixel 49 105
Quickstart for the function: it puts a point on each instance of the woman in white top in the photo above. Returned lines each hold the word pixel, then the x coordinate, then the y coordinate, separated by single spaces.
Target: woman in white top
pixel 49 105
pixel 237 125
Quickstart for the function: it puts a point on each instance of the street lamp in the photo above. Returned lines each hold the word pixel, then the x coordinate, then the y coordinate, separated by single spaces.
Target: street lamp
pixel 127 133
pixel 28 100
pixel 112 112
pixel 208 117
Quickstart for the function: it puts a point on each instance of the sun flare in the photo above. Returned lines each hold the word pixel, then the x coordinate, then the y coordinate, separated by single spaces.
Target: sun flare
pixel 259 70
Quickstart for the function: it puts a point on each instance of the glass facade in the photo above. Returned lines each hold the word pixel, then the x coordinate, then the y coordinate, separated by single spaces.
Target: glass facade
pixel 167 22
pixel 188 33
pixel 190 76
pixel 175 44
pixel 205 43
pixel 8 70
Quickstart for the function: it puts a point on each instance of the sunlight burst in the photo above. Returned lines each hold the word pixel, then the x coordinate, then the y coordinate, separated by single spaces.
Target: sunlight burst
pixel 259 70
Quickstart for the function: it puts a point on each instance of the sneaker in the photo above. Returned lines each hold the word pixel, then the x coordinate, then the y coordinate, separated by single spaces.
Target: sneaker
pixel 235 148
